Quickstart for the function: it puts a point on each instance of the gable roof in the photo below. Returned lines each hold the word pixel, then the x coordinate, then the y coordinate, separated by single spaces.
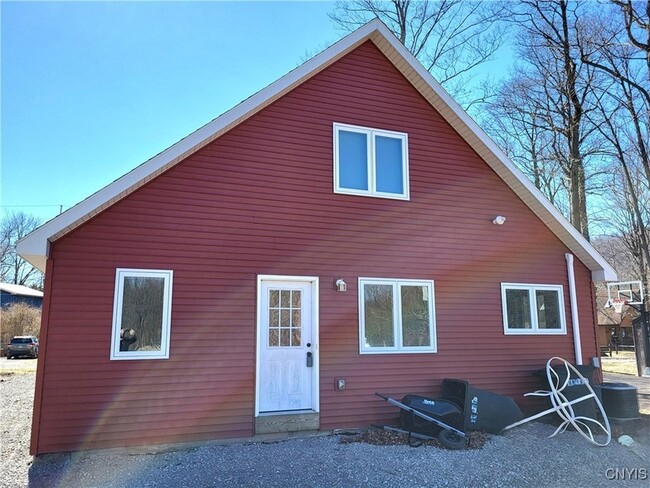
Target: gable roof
pixel 35 246
pixel 20 290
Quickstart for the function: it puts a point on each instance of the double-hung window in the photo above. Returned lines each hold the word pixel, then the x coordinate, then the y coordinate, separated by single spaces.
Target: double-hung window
pixel 533 309
pixel 141 314
pixel 370 162
pixel 396 316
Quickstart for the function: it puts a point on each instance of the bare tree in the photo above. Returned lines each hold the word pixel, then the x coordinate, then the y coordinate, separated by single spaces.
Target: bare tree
pixel 546 104
pixel 548 44
pixel 615 250
pixel 629 197
pixel 630 213
pixel 637 25
pixel 14 269
pixel 517 125
pixel 449 37
pixel 608 44
pixel 19 319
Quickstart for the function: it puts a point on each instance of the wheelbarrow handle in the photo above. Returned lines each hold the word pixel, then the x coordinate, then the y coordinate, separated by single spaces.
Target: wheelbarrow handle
pixel 439 423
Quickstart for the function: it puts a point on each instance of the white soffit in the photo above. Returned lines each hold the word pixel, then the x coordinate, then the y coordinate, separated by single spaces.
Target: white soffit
pixel 35 246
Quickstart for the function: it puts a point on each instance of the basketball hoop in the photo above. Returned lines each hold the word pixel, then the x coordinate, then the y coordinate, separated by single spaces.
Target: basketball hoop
pixel 617 304
pixel 624 293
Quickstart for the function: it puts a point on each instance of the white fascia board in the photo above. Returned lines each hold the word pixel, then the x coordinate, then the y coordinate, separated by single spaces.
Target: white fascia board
pixel 540 205
pixel 35 246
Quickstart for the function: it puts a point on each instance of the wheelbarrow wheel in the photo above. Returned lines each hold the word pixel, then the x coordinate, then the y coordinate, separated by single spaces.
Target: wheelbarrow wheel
pixel 451 440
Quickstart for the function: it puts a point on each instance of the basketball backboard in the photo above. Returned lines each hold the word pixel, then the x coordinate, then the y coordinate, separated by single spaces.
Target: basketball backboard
pixel 629 291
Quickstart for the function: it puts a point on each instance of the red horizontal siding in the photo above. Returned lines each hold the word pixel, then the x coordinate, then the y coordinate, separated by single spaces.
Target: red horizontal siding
pixel 259 200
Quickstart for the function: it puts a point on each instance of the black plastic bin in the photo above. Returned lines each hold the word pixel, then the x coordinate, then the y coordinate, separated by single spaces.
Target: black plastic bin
pixel 482 409
pixel 574 389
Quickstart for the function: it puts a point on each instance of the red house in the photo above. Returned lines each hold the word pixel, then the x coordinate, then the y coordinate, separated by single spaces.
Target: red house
pixel 348 229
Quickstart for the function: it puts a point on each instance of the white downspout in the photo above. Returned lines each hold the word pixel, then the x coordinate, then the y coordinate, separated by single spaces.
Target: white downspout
pixel 574 308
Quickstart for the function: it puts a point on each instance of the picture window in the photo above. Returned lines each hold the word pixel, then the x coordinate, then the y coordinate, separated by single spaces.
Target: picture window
pixel 532 309
pixel 141 314
pixel 396 316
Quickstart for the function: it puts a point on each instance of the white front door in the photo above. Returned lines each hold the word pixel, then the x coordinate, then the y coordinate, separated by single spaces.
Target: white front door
pixel 287 374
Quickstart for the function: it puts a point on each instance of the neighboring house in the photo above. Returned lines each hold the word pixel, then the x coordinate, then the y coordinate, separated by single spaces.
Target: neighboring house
pixel 337 225
pixel 10 294
pixel 620 323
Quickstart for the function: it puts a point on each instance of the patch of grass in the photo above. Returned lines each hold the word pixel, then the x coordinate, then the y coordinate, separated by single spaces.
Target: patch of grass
pixel 9 372
pixel 18 366
pixel 620 368
pixel 622 363
pixel 621 355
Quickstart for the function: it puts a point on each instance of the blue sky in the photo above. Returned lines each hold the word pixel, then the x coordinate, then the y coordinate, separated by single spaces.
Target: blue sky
pixel 90 90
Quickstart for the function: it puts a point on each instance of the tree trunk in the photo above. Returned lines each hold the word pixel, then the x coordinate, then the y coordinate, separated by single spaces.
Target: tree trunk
pixel 574 118
pixel 578 195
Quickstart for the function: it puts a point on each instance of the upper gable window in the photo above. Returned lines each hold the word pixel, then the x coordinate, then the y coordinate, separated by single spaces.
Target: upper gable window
pixel 370 162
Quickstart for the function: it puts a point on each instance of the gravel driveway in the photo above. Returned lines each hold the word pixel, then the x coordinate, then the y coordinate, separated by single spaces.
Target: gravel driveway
pixel 16 398
pixel 521 458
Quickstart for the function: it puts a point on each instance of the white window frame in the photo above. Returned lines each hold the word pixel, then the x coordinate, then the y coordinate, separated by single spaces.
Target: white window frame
pixel 398 348
pixel 371 134
pixel 532 289
pixel 120 275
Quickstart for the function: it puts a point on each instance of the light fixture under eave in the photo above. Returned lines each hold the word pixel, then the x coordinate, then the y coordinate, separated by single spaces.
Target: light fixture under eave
pixel 499 220
pixel 341 285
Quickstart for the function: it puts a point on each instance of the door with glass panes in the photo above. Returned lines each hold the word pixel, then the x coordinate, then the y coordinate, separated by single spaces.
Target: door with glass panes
pixel 286 352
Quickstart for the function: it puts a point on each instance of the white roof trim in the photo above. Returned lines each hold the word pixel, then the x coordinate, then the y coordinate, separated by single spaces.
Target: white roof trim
pixel 21 290
pixel 35 246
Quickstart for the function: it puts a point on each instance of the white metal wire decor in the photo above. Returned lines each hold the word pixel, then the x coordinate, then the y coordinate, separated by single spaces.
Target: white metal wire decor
pixel 564 407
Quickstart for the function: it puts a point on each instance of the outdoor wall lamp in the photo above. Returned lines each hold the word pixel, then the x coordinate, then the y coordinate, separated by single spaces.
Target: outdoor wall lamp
pixel 341 285
pixel 499 220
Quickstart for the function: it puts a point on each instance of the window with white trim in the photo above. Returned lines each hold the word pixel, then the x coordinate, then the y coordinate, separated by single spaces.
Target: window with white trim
pixel 141 314
pixel 370 162
pixel 533 309
pixel 396 316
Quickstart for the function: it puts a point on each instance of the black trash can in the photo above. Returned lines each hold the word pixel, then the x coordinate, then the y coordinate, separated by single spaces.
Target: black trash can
pixel 482 409
pixel 620 400
pixel 574 389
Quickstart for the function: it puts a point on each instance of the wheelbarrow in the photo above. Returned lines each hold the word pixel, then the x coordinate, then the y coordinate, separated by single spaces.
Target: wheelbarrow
pixel 425 418
pixel 460 408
